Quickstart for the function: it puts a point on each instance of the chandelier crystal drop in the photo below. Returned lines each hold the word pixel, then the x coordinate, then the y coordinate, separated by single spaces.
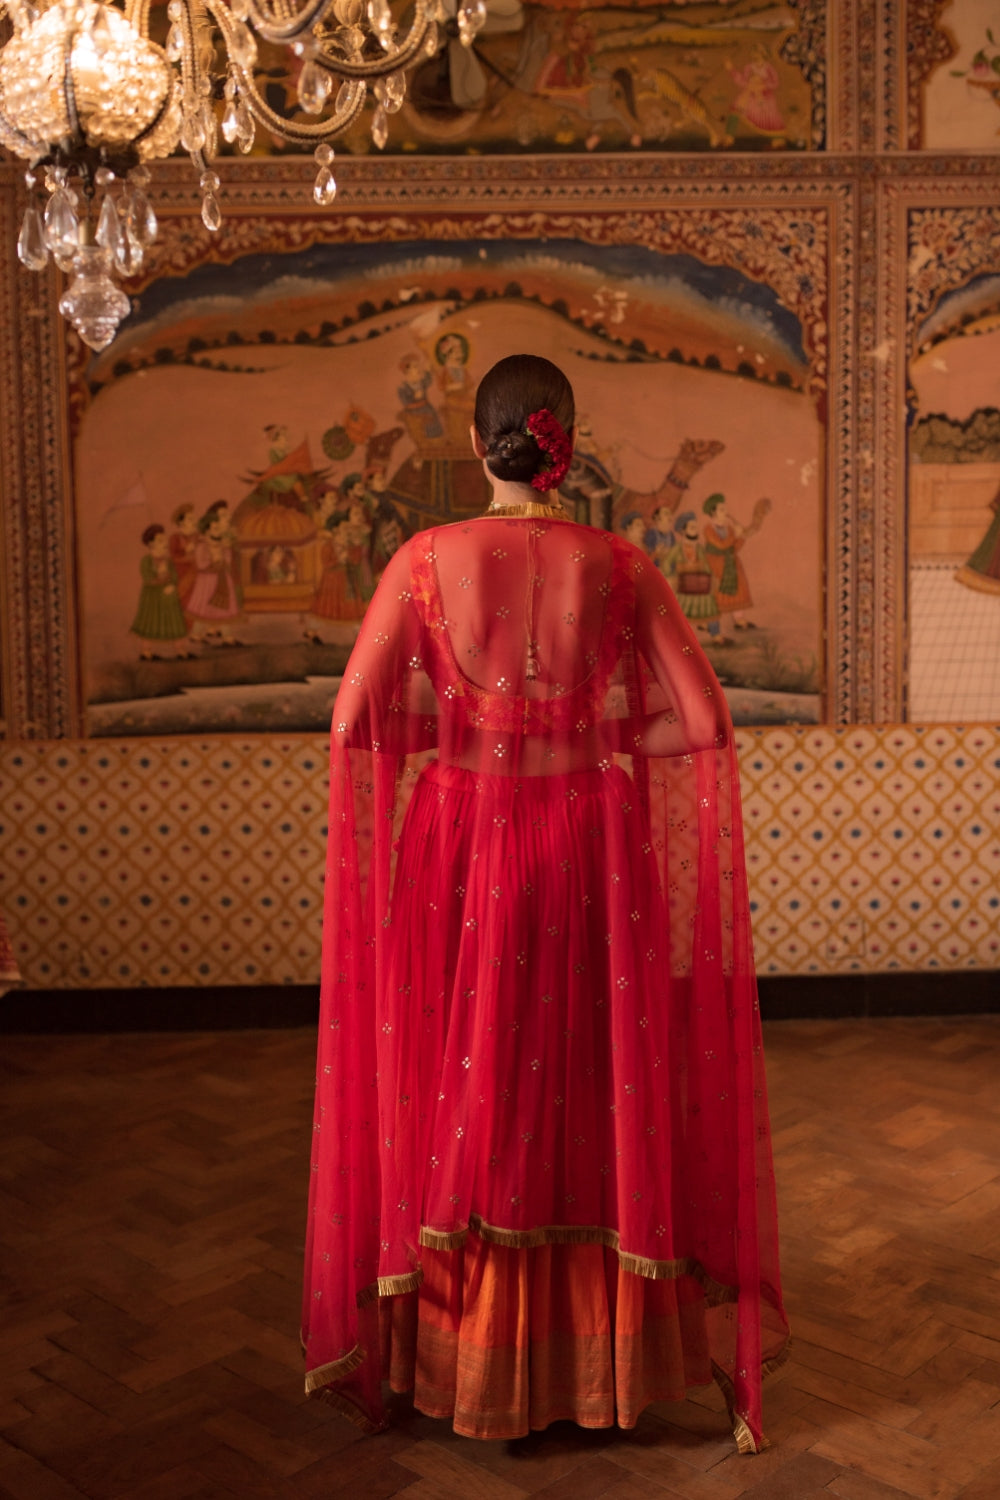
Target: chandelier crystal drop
pixel 87 97
pixel 92 302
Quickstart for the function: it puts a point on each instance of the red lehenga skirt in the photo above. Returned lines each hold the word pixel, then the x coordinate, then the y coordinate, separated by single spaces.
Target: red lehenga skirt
pixel 558 1227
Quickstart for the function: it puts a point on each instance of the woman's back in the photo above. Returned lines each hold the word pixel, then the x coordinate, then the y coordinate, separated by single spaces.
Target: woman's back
pixel 541 1143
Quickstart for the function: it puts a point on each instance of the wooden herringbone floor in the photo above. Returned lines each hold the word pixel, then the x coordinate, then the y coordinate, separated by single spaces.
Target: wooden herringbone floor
pixel 151 1206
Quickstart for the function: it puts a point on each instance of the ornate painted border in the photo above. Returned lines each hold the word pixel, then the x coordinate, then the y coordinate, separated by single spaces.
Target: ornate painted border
pixel 938 227
pixel 794 229
pixel 913 42
pixel 824 66
pixel 40 677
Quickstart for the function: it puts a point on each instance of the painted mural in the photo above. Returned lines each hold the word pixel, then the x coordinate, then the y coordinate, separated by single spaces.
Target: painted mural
pixel 954 509
pixel 581 76
pixel 321 415
pixel 961 95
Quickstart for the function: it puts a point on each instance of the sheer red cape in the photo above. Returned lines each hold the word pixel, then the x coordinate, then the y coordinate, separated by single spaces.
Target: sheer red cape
pixel 539 1015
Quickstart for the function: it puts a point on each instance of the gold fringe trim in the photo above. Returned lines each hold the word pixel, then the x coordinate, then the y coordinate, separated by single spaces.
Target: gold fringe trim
pixel 396 1286
pixel 389 1286
pixel 741 1432
pixel 777 1360
pixel 584 1234
pixel 353 1413
pixel 744 1437
pixel 336 1369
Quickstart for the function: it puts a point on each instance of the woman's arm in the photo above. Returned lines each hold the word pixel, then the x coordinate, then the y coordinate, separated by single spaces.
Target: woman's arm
pixel 688 708
pixel 375 703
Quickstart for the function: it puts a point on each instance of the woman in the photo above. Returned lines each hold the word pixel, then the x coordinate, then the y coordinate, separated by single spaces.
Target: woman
pixel 541 1182
pixel 159 617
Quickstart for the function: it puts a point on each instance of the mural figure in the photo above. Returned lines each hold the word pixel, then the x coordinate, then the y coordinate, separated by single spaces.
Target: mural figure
pixel 452 353
pixel 274 565
pixel 182 544
pixel 289 479
pixel 569 77
pixel 214 602
pixel 356 527
pixel 689 573
pixel 665 87
pixel 590 485
pixel 334 598
pixel 659 535
pixel 346 580
pixel 388 531
pixel 159 618
pixel 724 539
pixel 280 482
pixel 982 571
pixel 569 64
pixel 418 413
pixel 634 528
pixel 756 101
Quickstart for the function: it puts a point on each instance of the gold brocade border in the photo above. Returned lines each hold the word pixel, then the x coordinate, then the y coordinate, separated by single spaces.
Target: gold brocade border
pixel 319 1382
pixel 584 1234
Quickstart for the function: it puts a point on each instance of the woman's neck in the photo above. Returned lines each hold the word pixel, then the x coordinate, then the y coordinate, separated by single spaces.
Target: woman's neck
pixel 510 498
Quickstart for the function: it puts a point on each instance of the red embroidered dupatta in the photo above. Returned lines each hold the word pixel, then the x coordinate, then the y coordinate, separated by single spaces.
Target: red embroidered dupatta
pixel 539 1017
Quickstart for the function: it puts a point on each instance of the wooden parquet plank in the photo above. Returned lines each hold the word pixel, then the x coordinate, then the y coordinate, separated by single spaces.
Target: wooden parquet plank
pixel 649 1457
pixel 852 1485
pixel 854 1398
pixel 895 1457
pixel 57 1419
pixel 985 1487
pixel 590 1480
pixel 183 1483
pixel 154 1192
pixel 23 1477
pixel 638 1489
pixel 805 1475
pixel 264 1448
pixel 447 1472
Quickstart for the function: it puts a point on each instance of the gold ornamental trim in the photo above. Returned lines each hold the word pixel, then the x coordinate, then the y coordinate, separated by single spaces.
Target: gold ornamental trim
pixel 716 1292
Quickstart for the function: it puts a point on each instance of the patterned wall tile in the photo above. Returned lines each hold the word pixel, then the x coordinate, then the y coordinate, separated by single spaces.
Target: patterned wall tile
pixel 893 835
pixel 172 862
pixel 164 863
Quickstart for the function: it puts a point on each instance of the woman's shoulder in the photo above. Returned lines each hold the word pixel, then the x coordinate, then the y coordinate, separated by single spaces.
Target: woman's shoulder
pixel 628 557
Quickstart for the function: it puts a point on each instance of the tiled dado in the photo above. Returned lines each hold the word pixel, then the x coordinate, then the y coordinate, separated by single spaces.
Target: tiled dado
pixel 189 861
pixel 873 848
pixel 164 861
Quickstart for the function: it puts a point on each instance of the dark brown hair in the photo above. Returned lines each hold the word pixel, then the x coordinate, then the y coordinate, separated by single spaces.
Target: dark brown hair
pixel 508 395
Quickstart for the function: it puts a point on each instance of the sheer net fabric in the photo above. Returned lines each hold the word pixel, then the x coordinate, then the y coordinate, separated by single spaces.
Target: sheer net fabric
pixel 539 1022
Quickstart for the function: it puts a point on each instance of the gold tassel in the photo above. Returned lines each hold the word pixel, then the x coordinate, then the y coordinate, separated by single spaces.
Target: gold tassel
pixel 744 1437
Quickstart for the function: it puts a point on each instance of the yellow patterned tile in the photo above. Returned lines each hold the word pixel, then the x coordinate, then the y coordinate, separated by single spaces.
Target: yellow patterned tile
pixel 177 861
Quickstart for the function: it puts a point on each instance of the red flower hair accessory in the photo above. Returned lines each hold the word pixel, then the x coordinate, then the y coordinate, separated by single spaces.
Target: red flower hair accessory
pixel 550 435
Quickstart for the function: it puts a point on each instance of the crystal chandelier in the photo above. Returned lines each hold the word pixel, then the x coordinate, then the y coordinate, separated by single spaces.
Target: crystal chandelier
pixel 88 98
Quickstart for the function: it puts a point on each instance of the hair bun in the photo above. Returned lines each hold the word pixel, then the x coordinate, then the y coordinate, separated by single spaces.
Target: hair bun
pixel 514 456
